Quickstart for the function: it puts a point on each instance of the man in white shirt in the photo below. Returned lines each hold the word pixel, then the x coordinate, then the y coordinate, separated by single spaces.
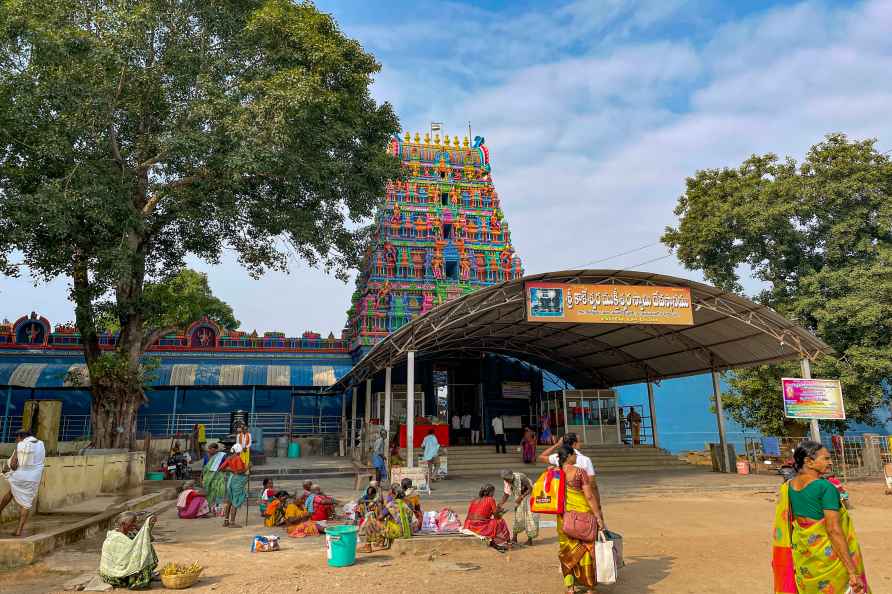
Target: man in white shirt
pixel 466 427
pixel 583 462
pixel 26 470
pixel 456 427
pixel 498 429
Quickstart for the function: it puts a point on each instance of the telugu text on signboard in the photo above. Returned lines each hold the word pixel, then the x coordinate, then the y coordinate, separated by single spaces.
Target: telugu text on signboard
pixel 608 304
pixel 812 399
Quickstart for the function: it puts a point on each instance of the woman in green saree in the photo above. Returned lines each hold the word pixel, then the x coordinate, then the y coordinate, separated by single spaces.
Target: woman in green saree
pixel 815 550
pixel 128 562
pixel 212 479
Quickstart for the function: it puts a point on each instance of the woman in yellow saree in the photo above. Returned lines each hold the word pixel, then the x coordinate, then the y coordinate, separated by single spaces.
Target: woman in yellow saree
pixel 814 546
pixel 577 557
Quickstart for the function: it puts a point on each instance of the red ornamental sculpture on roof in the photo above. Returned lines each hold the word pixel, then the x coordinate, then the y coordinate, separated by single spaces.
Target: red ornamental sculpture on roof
pixel 440 233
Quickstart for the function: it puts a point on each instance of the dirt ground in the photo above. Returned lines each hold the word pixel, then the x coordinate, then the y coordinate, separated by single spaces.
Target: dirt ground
pixel 685 533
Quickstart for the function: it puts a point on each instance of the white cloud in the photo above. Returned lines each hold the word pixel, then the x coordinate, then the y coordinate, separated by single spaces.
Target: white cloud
pixel 594 118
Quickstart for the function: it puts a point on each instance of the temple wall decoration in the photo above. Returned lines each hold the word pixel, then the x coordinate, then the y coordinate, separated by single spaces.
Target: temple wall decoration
pixel 440 233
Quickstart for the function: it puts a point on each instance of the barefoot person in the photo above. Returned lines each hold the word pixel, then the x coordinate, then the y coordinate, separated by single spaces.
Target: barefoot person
pixel 128 561
pixel 236 493
pixel 519 488
pixel 577 557
pixel 813 530
pixel 485 518
pixel 26 470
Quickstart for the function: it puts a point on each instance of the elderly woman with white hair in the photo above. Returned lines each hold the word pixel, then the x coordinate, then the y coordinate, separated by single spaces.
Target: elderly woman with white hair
pixel 236 494
pixel 128 561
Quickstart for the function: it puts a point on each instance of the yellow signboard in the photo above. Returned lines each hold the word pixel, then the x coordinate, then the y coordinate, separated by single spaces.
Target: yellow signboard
pixel 608 304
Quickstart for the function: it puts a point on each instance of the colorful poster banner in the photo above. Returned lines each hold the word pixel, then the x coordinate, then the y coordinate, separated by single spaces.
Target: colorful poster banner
pixel 608 304
pixel 813 399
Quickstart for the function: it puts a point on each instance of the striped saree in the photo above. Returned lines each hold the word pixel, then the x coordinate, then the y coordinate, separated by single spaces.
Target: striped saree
pixel 803 558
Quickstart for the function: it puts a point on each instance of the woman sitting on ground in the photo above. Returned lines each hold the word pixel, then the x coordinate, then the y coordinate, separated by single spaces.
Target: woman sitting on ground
pixel 267 495
pixel 274 513
pixel 192 504
pixel 413 500
pixel 485 518
pixel 370 510
pixel 397 515
pixel 320 505
pixel 128 562
pixel 298 523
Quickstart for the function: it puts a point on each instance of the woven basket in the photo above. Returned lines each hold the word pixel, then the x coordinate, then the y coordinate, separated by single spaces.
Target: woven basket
pixel 180 581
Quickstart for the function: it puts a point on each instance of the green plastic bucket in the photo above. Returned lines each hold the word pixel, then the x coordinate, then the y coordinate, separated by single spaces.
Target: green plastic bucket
pixel 154 476
pixel 294 450
pixel 340 544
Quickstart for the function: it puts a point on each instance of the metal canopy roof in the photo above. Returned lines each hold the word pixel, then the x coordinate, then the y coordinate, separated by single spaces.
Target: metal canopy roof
pixel 729 332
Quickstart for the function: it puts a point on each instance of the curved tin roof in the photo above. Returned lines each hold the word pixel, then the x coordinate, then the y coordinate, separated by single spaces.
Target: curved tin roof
pixel 729 332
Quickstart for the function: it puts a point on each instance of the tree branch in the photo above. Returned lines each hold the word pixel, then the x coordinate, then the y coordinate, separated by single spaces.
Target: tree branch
pixel 153 200
pixel 112 133
pixel 155 335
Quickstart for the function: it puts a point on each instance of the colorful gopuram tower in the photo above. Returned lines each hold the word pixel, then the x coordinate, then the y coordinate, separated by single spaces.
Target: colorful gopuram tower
pixel 439 234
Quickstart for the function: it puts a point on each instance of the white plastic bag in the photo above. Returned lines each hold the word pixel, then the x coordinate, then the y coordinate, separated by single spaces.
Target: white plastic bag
pixel 429 523
pixel 606 559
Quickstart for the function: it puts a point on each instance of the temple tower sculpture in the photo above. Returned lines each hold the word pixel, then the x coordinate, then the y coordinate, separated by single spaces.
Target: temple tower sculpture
pixel 440 233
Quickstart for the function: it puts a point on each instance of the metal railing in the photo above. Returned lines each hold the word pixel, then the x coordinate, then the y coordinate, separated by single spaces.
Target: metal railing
pixel 854 455
pixel 217 425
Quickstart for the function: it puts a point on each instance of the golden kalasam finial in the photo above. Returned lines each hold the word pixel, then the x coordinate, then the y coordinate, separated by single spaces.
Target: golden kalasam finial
pixel 437 139
pixel 417 138
pixel 455 141
pixel 465 142
pixel 427 138
pixel 408 137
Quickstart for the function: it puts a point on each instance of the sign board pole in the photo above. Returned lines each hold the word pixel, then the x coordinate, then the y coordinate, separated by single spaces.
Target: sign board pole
pixel 343 422
pixel 410 408
pixel 564 396
pixel 815 428
pixel 388 373
pixel 353 420
pixel 653 414
pixel 720 417
pixel 619 423
pixel 368 405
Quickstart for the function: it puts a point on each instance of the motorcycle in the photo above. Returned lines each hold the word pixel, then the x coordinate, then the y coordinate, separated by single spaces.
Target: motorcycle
pixel 177 467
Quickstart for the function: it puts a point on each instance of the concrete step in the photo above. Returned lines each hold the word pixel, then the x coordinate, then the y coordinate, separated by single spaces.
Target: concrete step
pixel 533 473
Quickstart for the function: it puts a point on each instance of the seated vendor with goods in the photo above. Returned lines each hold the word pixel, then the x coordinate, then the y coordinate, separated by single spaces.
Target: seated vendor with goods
pixel 274 512
pixel 320 506
pixel 413 500
pixel 298 522
pixel 128 561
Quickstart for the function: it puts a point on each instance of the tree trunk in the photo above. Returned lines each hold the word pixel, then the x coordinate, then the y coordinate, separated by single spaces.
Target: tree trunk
pixel 113 411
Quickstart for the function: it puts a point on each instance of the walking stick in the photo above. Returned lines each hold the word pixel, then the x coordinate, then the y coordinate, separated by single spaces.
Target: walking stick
pixel 247 497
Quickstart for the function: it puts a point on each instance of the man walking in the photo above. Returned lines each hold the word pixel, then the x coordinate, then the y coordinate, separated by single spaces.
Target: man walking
pixel 466 427
pixel 499 430
pixel 26 470
pixel 583 462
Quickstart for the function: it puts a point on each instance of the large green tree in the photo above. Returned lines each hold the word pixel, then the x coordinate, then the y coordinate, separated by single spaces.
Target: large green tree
pixel 818 236
pixel 136 132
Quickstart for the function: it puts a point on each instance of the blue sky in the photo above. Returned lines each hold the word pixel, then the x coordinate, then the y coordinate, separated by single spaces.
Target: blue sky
pixel 594 112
